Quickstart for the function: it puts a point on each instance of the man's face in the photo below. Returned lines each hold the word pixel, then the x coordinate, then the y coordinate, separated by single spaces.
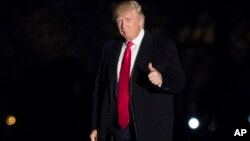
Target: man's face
pixel 129 24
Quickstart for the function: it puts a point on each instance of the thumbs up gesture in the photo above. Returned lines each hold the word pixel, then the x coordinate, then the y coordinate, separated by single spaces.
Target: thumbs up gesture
pixel 154 75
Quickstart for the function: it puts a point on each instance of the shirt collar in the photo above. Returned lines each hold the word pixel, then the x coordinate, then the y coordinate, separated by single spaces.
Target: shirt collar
pixel 138 39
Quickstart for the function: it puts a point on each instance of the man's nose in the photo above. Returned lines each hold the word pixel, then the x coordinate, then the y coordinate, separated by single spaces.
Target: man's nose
pixel 122 24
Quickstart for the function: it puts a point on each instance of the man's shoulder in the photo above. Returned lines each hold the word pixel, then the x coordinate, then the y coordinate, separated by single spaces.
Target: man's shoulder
pixel 157 38
pixel 161 41
pixel 109 43
pixel 112 44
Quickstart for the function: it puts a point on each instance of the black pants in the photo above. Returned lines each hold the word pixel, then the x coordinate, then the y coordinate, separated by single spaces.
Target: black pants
pixel 126 134
pixel 121 135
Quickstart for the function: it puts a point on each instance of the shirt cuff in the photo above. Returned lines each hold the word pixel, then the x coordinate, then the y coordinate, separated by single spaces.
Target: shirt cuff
pixel 159 85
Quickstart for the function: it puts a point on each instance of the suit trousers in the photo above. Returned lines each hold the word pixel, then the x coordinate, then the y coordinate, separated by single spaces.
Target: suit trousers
pixel 122 134
pixel 126 134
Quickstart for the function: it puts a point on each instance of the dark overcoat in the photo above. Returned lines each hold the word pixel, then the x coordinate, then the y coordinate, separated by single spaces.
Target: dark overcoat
pixel 151 106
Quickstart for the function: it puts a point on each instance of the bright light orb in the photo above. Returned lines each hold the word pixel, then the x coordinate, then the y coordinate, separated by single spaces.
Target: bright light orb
pixel 193 123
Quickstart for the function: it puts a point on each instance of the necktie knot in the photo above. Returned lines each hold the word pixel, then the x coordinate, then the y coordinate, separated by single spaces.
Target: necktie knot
pixel 129 44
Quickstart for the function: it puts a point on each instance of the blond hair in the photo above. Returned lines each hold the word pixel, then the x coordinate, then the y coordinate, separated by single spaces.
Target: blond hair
pixel 125 6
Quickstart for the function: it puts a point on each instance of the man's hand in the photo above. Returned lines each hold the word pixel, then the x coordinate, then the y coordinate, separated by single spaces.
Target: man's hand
pixel 93 135
pixel 154 75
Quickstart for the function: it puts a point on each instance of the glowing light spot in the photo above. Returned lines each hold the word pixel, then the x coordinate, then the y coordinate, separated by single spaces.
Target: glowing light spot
pixel 193 123
pixel 10 120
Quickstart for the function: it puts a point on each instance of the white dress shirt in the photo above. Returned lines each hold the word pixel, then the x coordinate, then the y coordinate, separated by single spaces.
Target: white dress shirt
pixel 134 50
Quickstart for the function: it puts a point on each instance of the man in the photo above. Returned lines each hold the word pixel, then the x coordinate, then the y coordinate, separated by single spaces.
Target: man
pixel 138 74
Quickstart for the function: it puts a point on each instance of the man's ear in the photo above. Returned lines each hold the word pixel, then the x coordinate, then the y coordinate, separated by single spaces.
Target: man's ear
pixel 141 20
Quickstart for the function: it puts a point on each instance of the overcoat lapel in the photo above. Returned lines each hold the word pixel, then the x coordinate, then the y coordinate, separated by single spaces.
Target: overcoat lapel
pixel 143 56
pixel 115 53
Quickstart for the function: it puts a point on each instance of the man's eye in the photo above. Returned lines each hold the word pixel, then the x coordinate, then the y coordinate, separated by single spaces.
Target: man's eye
pixel 128 20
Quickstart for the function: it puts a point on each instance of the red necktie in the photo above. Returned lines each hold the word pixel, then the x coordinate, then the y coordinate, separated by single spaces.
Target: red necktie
pixel 123 88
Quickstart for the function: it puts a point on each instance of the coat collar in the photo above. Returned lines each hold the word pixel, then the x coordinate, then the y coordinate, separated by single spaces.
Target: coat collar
pixel 144 53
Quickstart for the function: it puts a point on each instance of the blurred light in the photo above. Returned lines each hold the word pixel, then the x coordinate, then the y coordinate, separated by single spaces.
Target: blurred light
pixel 193 123
pixel 10 120
pixel 248 119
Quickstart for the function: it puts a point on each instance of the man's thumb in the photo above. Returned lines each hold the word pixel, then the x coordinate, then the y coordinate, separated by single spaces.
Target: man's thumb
pixel 150 66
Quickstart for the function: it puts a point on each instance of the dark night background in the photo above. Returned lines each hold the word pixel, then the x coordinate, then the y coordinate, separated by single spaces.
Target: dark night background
pixel 49 52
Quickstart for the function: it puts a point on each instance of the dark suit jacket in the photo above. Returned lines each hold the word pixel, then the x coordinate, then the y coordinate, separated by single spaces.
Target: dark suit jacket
pixel 151 106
